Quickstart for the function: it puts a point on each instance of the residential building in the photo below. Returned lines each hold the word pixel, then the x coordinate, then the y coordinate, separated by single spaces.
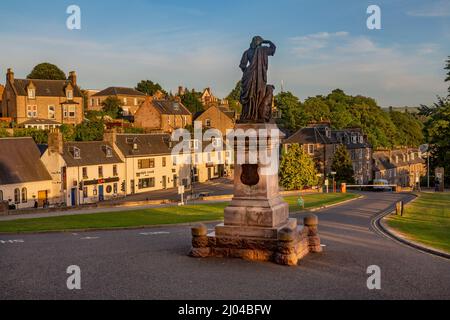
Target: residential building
pixel 208 99
pixel 84 172
pixel 24 179
pixel 403 167
pixel 58 101
pixel 2 88
pixel 91 102
pixel 217 117
pixel 320 142
pixel 130 98
pixel 361 152
pixel 162 115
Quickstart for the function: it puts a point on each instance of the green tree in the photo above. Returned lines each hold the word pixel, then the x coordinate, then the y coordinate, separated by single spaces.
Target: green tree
pixel 90 131
pixel 297 169
pixel 3 132
pixel 39 136
pixel 112 106
pixel 68 132
pixel 293 116
pixel 234 98
pixel 409 129
pixel 149 87
pixel 191 100
pixel 47 71
pixel 342 165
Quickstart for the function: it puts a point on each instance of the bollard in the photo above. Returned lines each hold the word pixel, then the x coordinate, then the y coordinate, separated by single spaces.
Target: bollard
pixel 343 188
pixel 312 223
pixel 286 254
pixel 200 244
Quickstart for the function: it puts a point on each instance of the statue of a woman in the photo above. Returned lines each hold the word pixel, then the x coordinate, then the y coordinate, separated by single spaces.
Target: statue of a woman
pixel 256 95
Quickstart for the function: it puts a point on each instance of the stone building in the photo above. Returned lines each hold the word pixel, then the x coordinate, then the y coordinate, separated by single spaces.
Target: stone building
pixel 58 101
pixel 217 117
pixel 2 88
pixel 320 142
pixel 403 167
pixel 162 115
pixel 84 172
pixel 208 99
pixel 130 98
pixel 24 178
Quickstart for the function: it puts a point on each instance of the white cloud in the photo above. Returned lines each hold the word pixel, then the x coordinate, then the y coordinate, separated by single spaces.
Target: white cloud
pixel 436 9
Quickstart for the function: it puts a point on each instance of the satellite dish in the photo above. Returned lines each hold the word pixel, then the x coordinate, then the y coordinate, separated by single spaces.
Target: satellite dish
pixel 424 148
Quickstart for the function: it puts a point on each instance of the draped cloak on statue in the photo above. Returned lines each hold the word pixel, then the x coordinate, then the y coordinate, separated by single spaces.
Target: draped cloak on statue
pixel 254 81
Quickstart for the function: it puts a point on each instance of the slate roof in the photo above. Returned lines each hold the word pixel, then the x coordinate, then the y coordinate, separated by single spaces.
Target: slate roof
pixel 383 162
pixel 91 153
pixel 147 144
pixel 20 162
pixel 171 107
pixel 308 135
pixel 114 91
pixel 45 88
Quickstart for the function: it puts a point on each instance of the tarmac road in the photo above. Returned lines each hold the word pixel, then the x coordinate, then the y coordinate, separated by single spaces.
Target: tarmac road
pixel 152 264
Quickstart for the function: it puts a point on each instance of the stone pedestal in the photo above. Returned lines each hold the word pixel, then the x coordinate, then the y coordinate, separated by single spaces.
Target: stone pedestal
pixel 256 223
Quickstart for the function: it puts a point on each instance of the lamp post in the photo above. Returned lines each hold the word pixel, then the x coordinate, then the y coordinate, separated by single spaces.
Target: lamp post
pixel 334 181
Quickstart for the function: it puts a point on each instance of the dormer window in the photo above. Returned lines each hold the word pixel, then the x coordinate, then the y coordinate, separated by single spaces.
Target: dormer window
pixel 328 132
pixel 353 139
pixel 76 153
pixel 108 151
pixel 361 139
pixel 69 94
pixel 31 93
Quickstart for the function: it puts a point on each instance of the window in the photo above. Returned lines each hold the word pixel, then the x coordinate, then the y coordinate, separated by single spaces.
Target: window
pixel 17 196
pixel 353 139
pixel 31 93
pixel 1 195
pixel 146 183
pixel 310 149
pixel 65 112
pixel 32 112
pixel 108 151
pixel 184 121
pixel 98 102
pixel 361 139
pixel 85 192
pixel 115 187
pixel 115 173
pixel 92 102
pixel 164 161
pixel 208 123
pixel 85 173
pixel 76 153
pixel 146 163
pixel 125 101
pixel 135 101
pixel 51 112
pixel 100 172
pixel 72 110
pixel 70 94
pixel 24 195
pixel 209 157
pixel 174 160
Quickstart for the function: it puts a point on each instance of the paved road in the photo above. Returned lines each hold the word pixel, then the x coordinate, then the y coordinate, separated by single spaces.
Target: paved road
pixel 152 264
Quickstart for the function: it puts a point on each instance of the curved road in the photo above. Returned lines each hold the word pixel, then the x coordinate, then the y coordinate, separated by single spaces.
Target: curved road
pixel 152 264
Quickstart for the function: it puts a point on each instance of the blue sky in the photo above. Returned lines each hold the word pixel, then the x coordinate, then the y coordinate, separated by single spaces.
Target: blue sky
pixel 322 44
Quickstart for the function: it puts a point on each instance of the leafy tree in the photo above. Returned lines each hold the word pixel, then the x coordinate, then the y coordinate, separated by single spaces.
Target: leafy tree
pixel 297 169
pixel 409 129
pixel 68 132
pixel 149 87
pixel 3 132
pixel 90 131
pixel 293 116
pixel 342 165
pixel 437 132
pixel 191 100
pixel 47 71
pixel 39 136
pixel 234 98
pixel 112 106
pixel 133 130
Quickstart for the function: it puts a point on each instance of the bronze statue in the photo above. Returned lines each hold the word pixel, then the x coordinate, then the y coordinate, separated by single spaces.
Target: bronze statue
pixel 256 95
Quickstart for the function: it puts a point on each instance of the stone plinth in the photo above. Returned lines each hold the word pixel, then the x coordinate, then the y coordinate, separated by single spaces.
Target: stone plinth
pixel 256 223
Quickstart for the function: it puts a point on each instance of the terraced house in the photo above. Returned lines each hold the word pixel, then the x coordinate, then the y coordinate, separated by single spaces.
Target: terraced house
pixel 131 99
pixel 42 104
pixel 84 172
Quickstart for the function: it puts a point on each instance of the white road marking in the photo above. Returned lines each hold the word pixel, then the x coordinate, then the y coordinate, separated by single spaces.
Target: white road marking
pixel 90 238
pixel 11 241
pixel 323 245
pixel 153 233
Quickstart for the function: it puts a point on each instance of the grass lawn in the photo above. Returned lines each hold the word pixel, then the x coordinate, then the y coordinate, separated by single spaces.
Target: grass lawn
pixel 426 220
pixel 149 217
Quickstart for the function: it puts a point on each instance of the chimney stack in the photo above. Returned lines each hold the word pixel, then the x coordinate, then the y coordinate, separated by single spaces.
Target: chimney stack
pixel 181 90
pixel 10 75
pixel 55 141
pixel 73 78
pixel 110 136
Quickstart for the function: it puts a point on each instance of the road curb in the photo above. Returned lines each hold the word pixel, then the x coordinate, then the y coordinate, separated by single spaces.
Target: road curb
pixel 379 225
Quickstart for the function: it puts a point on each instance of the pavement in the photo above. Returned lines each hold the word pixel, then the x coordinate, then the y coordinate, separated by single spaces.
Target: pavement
pixel 152 263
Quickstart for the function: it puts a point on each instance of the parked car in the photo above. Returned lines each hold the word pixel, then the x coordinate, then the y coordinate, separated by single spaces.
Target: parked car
pixel 381 185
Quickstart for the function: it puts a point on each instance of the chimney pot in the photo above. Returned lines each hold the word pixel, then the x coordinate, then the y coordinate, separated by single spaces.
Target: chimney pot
pixel 10 75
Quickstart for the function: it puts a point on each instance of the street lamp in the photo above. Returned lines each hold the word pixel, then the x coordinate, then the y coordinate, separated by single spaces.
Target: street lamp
pixel 425 149
pixel 334 173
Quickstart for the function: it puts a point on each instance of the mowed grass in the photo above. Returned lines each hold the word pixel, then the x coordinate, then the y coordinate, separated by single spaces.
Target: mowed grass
pixel 148 217
pixel 426 220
